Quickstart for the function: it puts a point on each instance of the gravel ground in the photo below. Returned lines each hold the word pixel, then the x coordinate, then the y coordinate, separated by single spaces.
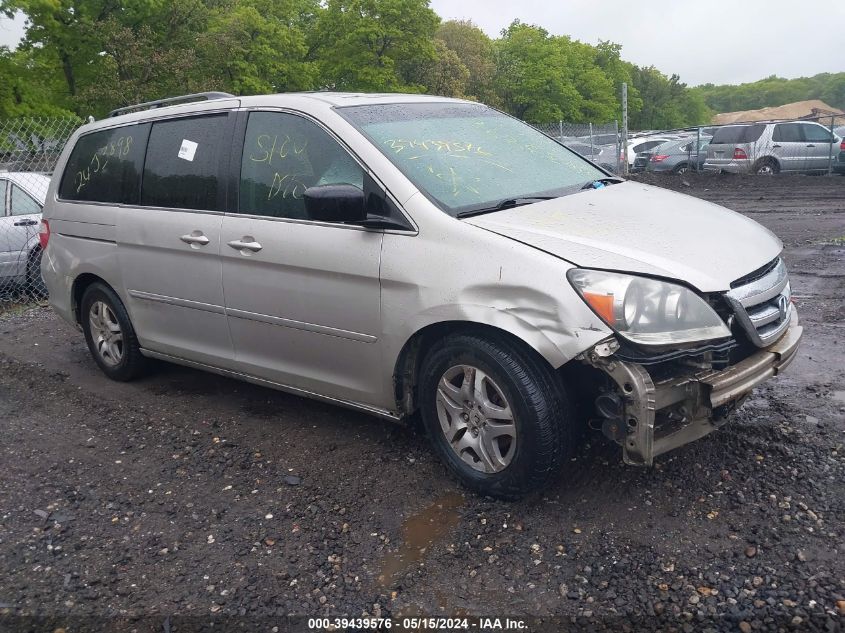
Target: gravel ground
pixel 187 494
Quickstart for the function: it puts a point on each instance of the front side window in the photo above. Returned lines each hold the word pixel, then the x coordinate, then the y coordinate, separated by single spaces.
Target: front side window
pixel 22 203
pixel 467 157
pixel 182 167
pixel 285 154
pixel 816 134
pixel 105 166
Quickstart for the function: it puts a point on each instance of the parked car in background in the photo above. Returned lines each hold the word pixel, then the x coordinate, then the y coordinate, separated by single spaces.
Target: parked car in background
pixel 644 144
pixel 602 155
pixel 22 195
pixel 677 156
pixel 770 148
pixel 405 253
pixel 839 165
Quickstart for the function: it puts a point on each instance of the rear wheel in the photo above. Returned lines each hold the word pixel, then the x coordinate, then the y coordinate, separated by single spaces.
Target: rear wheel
pixel 109 333
pixel 767 167
pixel 495 415
pixel 681 169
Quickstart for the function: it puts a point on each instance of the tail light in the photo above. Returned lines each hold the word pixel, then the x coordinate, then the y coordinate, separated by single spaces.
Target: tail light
pixel 842 146
pixel 739 154
pixel 659 158
pixel 44 234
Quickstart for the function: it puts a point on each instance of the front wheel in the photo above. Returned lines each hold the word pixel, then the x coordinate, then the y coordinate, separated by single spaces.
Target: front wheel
pixel 495 415
pixel 109 333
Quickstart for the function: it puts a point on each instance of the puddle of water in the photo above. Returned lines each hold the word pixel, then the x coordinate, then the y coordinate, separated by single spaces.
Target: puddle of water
pixel 838 396
pixel 419 532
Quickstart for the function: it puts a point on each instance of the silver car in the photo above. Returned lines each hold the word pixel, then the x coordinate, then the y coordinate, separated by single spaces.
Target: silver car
pixel 404 254
pixel 770 148
pixel 22 195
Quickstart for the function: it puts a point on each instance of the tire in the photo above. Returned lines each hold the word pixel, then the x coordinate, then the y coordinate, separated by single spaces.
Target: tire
pixel 35 285
pixel 681 168
pixel 767 167
pixel 502 458
pixel 103 315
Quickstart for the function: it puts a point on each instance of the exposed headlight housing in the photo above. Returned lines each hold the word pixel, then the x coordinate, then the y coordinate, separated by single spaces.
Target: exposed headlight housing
pixel 647 311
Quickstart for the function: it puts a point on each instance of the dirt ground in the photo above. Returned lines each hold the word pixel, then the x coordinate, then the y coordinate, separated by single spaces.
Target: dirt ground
pixel 186 494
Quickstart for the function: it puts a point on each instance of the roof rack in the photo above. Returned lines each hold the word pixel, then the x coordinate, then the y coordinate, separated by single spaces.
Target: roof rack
pixel 149 105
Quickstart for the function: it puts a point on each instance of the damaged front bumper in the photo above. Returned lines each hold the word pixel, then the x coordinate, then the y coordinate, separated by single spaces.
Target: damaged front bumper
pixel 649 417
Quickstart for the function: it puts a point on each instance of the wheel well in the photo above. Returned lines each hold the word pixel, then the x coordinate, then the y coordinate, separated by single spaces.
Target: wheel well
pixel 406 372
pixel 80 285
pixel 767 159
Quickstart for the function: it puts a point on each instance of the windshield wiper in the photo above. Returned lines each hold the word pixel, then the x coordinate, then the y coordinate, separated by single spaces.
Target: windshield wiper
pixel 507 203
pixel 601 182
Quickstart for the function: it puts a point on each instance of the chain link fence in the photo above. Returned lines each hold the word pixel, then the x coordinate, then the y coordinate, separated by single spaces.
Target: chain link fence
pixel 29 149
pixel 600 143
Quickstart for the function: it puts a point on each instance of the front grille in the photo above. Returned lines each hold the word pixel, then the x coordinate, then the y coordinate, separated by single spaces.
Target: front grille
pixel 762 303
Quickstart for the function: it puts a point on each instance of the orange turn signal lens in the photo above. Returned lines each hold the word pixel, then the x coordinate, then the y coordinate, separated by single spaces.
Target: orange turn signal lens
pixel 603 306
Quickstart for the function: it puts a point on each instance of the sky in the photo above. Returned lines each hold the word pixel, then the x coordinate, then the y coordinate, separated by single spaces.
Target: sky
pixel 719 41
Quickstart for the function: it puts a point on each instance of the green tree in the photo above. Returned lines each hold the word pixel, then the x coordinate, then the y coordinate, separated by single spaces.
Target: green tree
pixel 474 50
pixel 373 45
pixel 667 103
pixel 134 66
pixel 260 46
pixel 445 75
pixel 775 91
pixel 530 76
pixel 28 86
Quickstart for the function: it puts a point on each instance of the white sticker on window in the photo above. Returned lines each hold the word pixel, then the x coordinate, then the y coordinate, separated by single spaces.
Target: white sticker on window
pixel 188 149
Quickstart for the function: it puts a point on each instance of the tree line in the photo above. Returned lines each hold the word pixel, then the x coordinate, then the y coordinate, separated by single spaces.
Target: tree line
pixel 775 91
pixel 89 56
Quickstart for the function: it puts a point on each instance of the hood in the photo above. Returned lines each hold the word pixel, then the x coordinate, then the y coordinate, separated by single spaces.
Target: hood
pixel 631 227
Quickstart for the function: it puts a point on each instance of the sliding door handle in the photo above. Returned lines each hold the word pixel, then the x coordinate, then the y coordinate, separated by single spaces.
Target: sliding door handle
pixel 246 244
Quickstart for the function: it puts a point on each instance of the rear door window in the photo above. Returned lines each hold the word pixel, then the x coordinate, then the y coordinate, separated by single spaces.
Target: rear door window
pixel 2 198
pixel 787 133
pixel 734 134
pixel 105 166
pixel 22 203
pixel 183 164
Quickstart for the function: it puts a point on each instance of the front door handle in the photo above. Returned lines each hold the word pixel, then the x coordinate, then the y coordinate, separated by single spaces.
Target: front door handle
pixel 195 239
pixel 26 223
pixel 810 145
pixel 776 146
pixel 247 243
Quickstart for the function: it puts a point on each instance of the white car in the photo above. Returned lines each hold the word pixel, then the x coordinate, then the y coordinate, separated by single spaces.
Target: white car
pixel 22 195
pixel 644 144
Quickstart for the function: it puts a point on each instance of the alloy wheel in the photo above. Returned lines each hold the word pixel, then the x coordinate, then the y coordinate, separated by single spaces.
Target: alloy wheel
pixel 106 333
pixel 476 418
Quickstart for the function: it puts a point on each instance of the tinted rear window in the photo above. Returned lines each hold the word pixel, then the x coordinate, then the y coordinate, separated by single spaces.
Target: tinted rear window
pixel 737 134
pixel 106 166
pixel 183 163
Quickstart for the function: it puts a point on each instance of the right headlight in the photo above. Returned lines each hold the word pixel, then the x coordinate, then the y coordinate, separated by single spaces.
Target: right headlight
pixel 648 311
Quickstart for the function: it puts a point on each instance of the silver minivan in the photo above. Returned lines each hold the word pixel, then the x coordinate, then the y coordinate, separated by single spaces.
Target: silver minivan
pixel 415 257
pixel 770 148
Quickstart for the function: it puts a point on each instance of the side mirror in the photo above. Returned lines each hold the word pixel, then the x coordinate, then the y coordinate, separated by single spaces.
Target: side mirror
pixel 335 203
